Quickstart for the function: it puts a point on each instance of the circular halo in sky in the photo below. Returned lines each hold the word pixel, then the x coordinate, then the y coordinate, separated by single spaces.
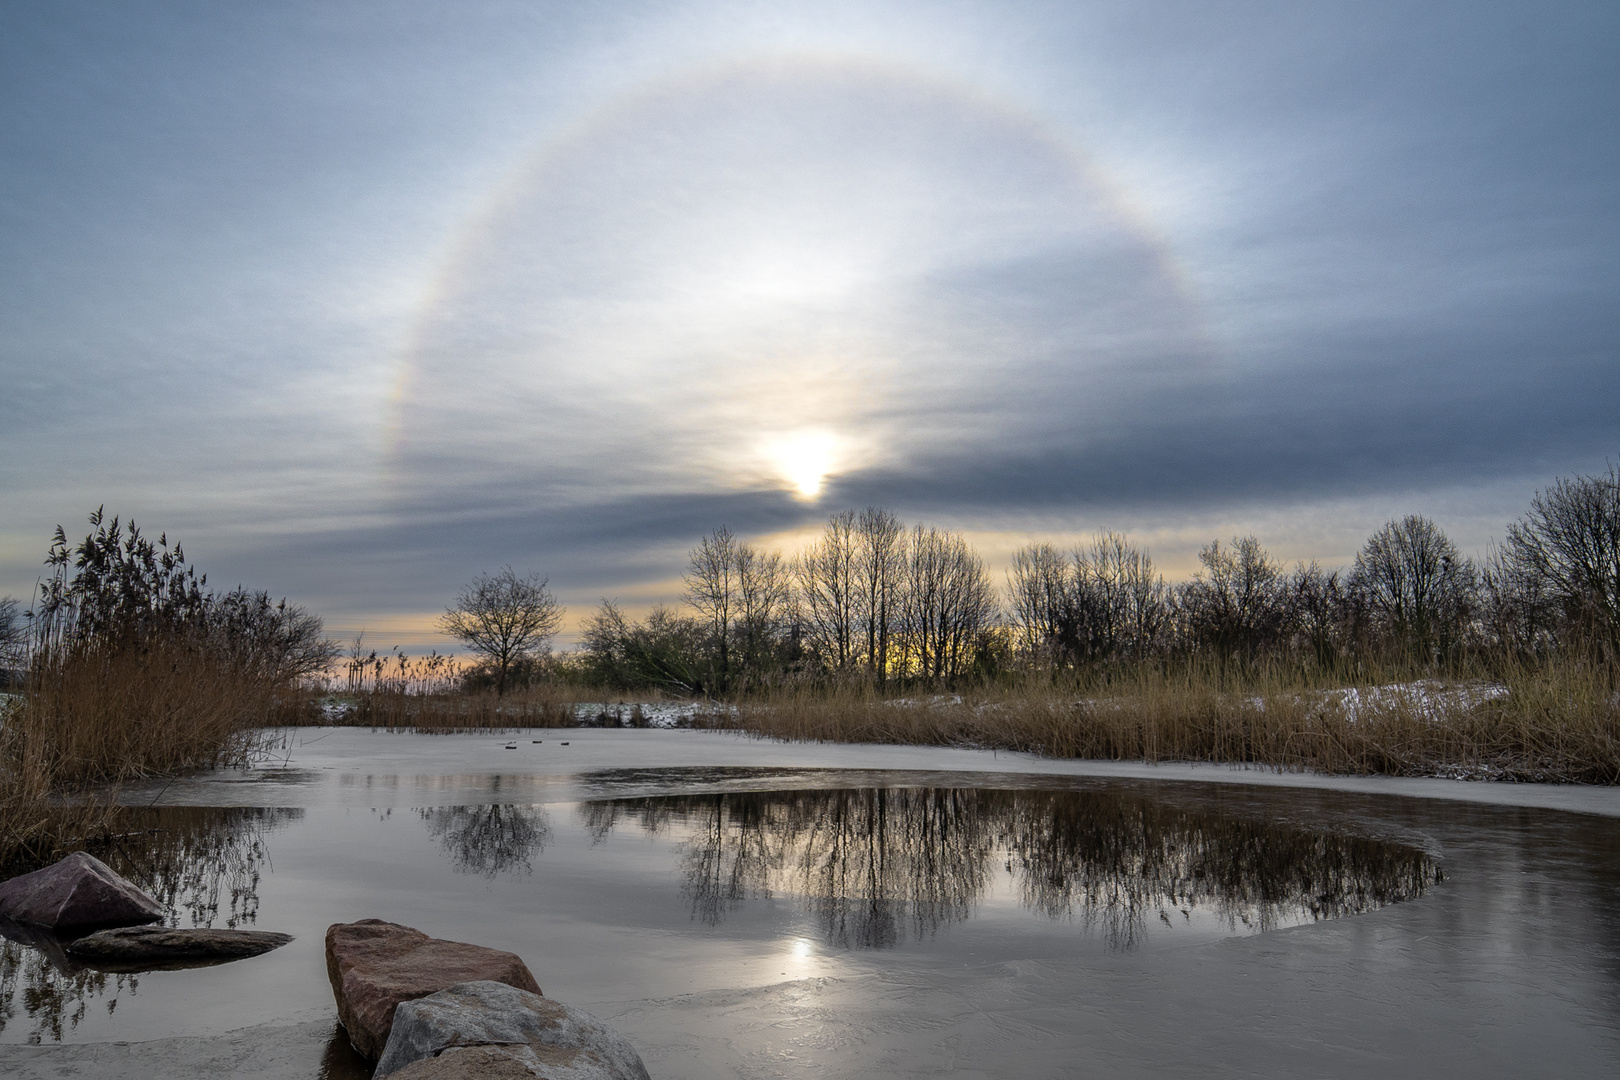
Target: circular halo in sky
pixel 780 275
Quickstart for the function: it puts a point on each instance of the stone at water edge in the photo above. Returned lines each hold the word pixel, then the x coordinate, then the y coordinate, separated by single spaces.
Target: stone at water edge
pixel 560 1041
pixel 374 965
pixel 477 1063
pixel 79 892
pixel 135 945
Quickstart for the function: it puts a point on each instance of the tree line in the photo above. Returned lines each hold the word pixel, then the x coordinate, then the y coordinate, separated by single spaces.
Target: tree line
pixel 877 601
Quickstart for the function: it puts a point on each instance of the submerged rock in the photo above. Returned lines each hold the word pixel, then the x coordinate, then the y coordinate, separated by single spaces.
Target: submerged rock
pixel 148 947
pixel 78 893
pixel 374 965
pixel 479 1029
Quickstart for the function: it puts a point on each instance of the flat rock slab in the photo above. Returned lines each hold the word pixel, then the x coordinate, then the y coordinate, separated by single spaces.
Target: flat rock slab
pixel 491 1029
pixel 78 893
pixel 147 948
pixel 374 965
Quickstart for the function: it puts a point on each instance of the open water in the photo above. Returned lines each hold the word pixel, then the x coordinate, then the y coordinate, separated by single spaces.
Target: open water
pixel 742 908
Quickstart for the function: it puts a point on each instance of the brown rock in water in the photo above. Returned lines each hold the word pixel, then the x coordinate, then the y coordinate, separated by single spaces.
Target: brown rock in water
pixel 78 893
pixel 145 948
pixel 375 965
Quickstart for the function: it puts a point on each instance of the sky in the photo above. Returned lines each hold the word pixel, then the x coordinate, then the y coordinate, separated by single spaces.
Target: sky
pixel 360 300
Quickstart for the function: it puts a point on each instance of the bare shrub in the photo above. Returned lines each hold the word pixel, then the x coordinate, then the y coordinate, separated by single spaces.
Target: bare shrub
pixel 664 651
pixel 396 692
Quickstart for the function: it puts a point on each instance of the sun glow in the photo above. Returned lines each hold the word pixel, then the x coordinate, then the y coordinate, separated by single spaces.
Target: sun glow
pixel 804 459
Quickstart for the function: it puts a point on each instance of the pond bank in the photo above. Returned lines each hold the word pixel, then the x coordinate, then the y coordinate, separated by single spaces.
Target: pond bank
pixel 354 766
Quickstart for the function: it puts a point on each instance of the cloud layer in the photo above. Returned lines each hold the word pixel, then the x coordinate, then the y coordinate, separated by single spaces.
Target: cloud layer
pixel 361 304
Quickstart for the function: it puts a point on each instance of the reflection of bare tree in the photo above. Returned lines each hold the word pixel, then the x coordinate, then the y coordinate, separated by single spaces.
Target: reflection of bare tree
pixel 204 864
pixel 488 840
pixel 55 1000
pixel 1119 863
pixel 195 858
pixel 873 864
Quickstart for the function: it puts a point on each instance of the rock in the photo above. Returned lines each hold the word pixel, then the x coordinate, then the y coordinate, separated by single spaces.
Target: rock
pixel 516 1033
pixel 476 1063
pixel 78 893
pixel 146 948
pixel 375 965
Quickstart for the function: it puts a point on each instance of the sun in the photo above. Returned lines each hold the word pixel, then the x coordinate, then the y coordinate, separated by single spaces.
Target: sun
pixel 804 459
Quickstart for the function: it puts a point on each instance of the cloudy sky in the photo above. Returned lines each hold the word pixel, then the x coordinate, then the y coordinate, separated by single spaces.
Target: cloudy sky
pixel 359 300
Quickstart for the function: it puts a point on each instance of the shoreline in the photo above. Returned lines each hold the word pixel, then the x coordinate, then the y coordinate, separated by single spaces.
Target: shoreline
pixel 358 766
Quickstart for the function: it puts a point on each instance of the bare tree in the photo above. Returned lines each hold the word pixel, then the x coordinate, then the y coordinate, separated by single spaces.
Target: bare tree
pixel 764 595
pixel 880 564
pixel 506 619
pixel 829 579
pixel 1123 601
pixel 1238 603
pixel 711 589
pixel 1040 584
pixel 1318 606
pixel 1518 607
pixel 1418 590
pixel 1099 602
pixel 949 602
pixel 1568 545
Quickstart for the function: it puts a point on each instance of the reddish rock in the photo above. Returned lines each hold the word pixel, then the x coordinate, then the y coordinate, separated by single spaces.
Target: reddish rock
pixel 375 965
pixel 78 893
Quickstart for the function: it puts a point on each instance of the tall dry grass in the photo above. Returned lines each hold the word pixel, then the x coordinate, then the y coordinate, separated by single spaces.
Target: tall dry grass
pixel 453 712
pixel 396 692
pixel 34 826
pixel 1556 721
pixel 102 715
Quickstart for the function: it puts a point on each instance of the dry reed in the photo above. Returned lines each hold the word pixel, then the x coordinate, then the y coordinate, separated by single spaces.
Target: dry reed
pixel 394 692
pixel 1553 721
pixel 103 715
pixel 449 713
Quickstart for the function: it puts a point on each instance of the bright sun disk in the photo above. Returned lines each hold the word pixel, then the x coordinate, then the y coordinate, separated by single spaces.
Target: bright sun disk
pixel 804 459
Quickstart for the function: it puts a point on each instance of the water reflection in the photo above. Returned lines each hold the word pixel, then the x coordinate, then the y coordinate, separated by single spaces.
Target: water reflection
pixel 874 865
pixel 489 840
pixel 203 864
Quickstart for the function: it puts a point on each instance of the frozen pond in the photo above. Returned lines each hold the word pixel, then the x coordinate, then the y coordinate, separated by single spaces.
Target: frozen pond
pixel 753 909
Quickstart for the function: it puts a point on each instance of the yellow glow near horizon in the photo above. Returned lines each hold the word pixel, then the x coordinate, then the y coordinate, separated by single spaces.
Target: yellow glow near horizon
pixel 804 459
